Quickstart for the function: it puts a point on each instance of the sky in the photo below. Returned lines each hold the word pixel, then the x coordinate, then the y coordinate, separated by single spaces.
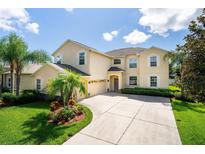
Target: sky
pixel 102 29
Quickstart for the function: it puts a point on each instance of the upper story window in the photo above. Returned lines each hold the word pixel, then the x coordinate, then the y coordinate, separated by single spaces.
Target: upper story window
pixel 132 63
pixel 58 59
pixel 117 61
pixel 38 84
pixel 153 61
pixel 133 80
pixel 153 81
pixel 81 58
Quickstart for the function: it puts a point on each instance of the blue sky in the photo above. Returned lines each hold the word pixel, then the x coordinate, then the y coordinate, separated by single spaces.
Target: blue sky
pixel 48 28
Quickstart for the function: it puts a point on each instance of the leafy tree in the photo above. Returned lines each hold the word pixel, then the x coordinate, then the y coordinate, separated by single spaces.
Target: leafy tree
pixel 67 84
pixel 193 65
pixel 176 59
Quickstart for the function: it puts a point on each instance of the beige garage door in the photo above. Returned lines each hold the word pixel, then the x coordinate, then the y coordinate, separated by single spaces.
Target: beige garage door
pixel 96 87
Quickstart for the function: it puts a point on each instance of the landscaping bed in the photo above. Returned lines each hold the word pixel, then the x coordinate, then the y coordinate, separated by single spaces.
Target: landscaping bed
pixel 190 119
pixel 28 124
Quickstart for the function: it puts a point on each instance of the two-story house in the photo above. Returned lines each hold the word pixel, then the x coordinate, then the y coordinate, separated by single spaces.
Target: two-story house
pixel 102 72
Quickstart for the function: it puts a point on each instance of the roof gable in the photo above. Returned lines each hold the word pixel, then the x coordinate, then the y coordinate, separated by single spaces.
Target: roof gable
pixel 82 45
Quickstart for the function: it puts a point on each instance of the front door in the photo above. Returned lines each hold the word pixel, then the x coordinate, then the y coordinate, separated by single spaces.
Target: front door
pixel 116 84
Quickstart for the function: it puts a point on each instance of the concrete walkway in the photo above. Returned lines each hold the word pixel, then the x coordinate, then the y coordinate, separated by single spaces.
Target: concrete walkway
pixel 128 119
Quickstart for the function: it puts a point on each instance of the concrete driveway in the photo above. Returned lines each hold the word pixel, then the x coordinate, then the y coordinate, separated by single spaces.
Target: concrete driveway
pixel 128 119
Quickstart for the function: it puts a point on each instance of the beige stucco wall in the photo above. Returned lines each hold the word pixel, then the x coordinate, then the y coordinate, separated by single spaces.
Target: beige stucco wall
pixel 162 69
pixel 99 65
pixel 70 51
pixel 44 74
pixel 26 82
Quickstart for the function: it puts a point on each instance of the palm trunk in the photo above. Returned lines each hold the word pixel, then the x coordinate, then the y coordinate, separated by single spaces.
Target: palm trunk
pixel 12 79
pixel 18 80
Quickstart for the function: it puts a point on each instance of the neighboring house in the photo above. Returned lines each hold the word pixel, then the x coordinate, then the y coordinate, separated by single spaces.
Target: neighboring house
pixel 102 72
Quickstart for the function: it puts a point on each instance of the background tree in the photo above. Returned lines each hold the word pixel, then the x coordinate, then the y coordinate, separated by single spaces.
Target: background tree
pixel 175 64
pixel 193 65
pixel 67 84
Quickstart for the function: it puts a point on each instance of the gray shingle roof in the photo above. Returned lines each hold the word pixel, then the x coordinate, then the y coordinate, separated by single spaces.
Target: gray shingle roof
pixel 69 67
pixel 115 69
pixel 125 51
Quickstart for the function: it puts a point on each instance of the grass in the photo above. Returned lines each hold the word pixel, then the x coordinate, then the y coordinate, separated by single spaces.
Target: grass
pixel 190 119
pixel 27 124
pixel 174 88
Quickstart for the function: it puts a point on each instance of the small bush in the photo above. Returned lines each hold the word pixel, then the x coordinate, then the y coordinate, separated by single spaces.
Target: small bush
pixel 5 90
pixel 62 116
pixel 78 109
pixel 55 105
pixel 148 91
pixel 9 98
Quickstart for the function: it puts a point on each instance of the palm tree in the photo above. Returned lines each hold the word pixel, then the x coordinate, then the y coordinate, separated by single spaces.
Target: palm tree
pixel 14 51
pixel 67 84
pixel 25 57
pixel 10 46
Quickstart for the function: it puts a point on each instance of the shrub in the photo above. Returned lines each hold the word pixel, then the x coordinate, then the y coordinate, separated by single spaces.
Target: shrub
pixel 9 98
pixel 55 105
pixel 28 97
pixel 29 91
pixel 5 90
pixel 62 116
pixel 148 91
pixel 78 109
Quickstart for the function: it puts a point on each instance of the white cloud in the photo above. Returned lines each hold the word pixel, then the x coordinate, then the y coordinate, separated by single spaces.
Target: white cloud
pixel 136 37
pixel 69 9
pixel 109 36
pixel 15 19
pixel 33 27
pixel 160 21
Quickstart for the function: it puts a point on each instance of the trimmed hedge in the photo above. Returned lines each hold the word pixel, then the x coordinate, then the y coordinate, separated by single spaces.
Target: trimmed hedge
pixel 148 91
pixel 27 96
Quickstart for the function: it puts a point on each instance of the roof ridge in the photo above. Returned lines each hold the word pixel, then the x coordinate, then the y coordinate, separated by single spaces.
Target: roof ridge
pixel 125 48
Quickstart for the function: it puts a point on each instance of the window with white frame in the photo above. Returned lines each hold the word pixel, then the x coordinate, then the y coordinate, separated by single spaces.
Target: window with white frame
pixel 117 61
pixel 133 80
pixel 81 58
pixel 153 81
pixel 9 82
pixel 153 61
pixel 132 63
pixel 38 84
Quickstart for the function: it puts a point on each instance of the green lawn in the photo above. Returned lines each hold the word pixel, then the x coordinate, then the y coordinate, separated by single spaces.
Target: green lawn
pixel 190 118
pixel 27 124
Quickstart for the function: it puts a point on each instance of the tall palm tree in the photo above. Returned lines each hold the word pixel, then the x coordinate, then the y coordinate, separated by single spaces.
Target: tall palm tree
pixel 67 84
pixel 14 51
pixel 10 46
pixel 26 57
